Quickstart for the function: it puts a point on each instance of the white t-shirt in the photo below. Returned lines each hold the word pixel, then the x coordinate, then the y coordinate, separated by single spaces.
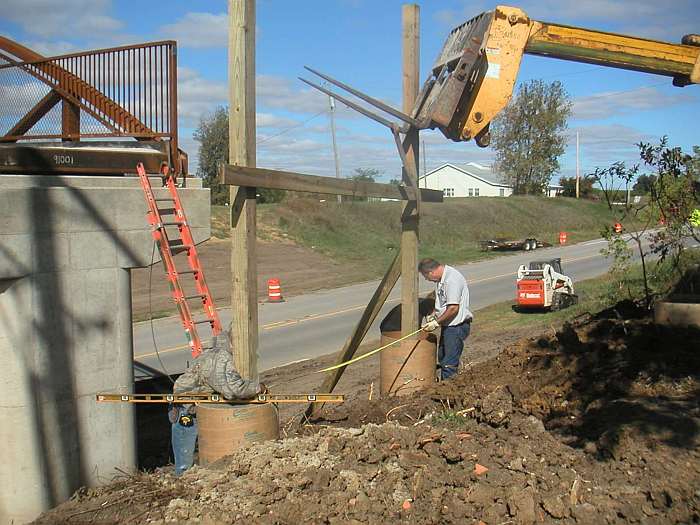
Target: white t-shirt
pixel 452 289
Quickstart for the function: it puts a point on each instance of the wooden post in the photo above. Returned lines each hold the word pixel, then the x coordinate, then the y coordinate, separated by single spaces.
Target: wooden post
pixel 409 218
pixel 241 78
pixel 291 181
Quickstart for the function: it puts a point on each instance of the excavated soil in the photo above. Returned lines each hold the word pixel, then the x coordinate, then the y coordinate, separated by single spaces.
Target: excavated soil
pixel 596 422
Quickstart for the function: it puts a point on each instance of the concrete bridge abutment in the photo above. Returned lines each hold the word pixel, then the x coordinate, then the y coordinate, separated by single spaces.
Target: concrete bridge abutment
pixel 66 248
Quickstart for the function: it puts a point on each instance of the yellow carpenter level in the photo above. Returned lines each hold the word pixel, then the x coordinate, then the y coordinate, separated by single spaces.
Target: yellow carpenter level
pixel 216 398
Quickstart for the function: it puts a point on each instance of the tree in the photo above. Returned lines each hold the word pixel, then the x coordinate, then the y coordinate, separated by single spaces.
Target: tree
pixel 366 174
pixel 212 135
pixel 529 136
pixel 673 199
pixel 694 163
pixel 644 184
pixel 675 193
pixel 585 186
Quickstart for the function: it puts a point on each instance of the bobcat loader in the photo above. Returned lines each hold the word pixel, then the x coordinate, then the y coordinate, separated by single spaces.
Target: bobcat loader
pixel 541 285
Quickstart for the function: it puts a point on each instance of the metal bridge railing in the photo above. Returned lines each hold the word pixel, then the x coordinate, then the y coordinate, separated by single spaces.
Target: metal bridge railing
pixel 128 91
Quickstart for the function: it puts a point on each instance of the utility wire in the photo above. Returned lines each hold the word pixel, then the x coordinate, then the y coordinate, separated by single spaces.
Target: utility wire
pixel 262 141
pixel 150 312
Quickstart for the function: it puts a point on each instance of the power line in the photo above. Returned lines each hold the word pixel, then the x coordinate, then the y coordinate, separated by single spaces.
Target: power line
pixel 290 128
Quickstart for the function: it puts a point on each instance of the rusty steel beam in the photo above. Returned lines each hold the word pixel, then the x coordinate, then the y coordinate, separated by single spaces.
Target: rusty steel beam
pixel 130 90
pixel 33 116
pixel 76 157
pixel 45 69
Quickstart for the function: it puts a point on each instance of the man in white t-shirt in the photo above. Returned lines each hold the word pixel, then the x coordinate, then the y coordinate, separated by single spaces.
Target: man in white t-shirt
pixel 451 315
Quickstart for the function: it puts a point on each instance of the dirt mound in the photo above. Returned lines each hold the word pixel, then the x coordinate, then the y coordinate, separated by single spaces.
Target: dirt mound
pixel 588 381
pixel 594 423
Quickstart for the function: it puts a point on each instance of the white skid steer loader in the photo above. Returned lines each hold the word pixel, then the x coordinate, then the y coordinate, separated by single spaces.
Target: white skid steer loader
pixel 541 285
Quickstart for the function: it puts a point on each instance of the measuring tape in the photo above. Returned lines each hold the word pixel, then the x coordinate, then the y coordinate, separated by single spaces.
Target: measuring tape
pixel 363 356
pixel 217 398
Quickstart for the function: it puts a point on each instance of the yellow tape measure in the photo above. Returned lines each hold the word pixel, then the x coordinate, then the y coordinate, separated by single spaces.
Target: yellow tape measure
pixel 363 356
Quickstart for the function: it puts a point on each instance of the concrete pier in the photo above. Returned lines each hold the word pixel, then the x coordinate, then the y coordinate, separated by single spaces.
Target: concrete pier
pixel 66 247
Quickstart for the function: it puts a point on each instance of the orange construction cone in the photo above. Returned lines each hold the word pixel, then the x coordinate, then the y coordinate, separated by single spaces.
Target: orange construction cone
pixel 274 291
pixel 618 227
pixel 562 237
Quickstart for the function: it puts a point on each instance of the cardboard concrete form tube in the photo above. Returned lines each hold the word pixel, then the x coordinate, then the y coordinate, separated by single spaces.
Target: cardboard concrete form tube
pixel 679 310
pixel 407 366
pixel 223 429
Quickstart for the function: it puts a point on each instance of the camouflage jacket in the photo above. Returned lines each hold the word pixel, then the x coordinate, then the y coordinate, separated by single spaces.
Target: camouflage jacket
pixel 214 371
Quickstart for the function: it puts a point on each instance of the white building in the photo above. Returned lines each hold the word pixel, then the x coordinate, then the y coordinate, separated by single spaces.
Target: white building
pixel 471 180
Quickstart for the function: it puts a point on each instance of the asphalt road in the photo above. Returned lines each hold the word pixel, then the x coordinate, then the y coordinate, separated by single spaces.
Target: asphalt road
pixel 318 323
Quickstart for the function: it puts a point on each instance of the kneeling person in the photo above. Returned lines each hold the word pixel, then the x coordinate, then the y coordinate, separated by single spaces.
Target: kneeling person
pixel 213 371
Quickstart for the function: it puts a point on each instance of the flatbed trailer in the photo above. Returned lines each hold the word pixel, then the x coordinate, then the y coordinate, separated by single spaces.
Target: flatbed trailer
pixel 506 245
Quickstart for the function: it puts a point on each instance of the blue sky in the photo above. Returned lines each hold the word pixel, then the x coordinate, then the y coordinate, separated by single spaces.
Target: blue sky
pixel 359 42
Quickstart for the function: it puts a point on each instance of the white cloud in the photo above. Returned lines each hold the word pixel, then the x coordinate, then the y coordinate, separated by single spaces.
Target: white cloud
pixel 607 137
pixel 269 120
pixel 602 145
pixel 69 18
pixel 47 48
pixel 197 96
pixel 199 30
pixel 282 93
pixel 607 104
pixel 20 97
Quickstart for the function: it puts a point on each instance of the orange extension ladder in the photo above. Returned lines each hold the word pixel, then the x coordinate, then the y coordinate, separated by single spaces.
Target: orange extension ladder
pixel 169 247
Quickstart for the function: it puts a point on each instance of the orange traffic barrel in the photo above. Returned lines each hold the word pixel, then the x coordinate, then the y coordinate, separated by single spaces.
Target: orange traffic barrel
pixel 618 227
pixel 274 291
pixel 562 237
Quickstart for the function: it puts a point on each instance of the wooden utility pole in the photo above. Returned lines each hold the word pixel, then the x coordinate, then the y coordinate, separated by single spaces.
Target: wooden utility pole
pixel 410 18
pixel 578 177
pixel 331 103
pixel 241 81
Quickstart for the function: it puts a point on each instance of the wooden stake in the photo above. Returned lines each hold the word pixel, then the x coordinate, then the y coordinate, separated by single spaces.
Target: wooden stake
pixel 244 307
pixel 409 219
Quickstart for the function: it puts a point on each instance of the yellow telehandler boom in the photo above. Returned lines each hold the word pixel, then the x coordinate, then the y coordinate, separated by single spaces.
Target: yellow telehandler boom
pixel 472 79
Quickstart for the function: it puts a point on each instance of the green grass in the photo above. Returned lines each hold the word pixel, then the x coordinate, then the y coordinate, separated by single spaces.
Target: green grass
pixel 594 295
pixel 368 233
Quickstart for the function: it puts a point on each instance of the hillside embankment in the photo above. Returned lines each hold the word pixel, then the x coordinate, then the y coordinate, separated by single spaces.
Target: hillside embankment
pixel 311 245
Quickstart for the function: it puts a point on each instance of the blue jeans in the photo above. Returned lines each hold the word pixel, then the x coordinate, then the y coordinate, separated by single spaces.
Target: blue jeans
pixel 183 440
pixel 450 348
